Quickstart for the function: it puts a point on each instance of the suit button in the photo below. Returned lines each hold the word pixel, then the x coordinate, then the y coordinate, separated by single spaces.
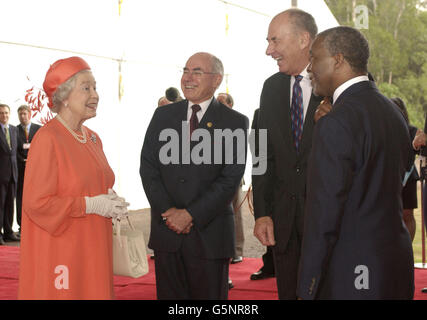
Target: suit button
pixel 298 169
pixel 182 180
pixel 293 196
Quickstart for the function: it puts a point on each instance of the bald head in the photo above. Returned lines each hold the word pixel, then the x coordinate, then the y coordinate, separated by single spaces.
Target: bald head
pixel 290 35
pixel 300 20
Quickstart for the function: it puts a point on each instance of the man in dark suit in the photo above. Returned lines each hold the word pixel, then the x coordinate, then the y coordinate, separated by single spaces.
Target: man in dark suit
pixel 227 100
pixel 26 132
pixel 8 174
pixel 287 108
pixel 267 269
pixel 356 245
pixel 192 223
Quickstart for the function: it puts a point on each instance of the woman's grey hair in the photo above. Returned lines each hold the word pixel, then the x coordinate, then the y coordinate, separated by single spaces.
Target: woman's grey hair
pixel 63 91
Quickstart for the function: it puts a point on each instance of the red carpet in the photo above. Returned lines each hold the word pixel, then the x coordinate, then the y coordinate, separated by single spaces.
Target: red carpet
pixel 144 288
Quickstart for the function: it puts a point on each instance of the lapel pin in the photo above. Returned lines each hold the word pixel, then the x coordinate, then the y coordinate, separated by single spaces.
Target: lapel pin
pixel 209 124
pixel 93 138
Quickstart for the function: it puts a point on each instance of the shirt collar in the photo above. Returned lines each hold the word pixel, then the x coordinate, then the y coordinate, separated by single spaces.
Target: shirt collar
pixel 338 91
pixel 203 105
pixel 304 73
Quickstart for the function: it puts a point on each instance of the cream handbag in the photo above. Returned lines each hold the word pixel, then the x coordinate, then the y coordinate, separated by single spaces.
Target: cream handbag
pixel 129 252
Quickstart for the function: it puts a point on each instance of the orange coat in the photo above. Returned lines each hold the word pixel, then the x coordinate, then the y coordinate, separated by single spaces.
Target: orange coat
pixel 65 253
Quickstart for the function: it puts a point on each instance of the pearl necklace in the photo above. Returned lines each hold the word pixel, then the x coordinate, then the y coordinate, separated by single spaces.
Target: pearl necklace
pixel 81 139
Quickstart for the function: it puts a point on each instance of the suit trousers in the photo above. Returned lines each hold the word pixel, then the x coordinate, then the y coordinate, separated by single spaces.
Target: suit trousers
pixel 182 276
pixel 268 261
pixel 286 263
pixel 19 192
pixel 238 222
pixel 7 198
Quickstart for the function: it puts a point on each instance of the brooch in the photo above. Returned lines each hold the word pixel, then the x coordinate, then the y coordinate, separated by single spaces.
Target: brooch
pixel 93 138
pixel 209 124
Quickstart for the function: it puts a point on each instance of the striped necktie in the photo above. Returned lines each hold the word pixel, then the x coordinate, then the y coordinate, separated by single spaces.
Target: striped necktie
pixel 297 112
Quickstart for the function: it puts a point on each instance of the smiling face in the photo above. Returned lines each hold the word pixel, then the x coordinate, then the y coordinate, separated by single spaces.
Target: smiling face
pixel 198 82
pixel 287 46
pixel 83 99
pixel 321 69
pixel 4 115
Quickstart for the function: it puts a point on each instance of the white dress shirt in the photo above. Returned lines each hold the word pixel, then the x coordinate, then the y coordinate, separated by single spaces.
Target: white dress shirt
pixel 346 85
pixel 204 106
pixel 306 88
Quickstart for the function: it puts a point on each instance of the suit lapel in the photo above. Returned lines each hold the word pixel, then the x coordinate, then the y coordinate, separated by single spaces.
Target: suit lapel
pixel 307 132
pixel 13 137
pixel 3 140
pixel 211 117
pixel 182 114
pixel 283 114
pixel 284 120
pixel 32 132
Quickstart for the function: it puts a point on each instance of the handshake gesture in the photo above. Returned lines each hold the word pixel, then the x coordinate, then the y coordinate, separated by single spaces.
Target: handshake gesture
pixel 107 205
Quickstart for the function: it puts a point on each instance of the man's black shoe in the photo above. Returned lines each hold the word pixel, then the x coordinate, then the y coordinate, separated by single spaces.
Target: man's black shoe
pixel 230 284
pixel 236 259
pixel 10 237
pixel 259 275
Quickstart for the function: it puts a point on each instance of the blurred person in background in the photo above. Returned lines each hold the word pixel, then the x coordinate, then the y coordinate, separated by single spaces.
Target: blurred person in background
pixel 8 174
pixel 409 191
pixel 26 132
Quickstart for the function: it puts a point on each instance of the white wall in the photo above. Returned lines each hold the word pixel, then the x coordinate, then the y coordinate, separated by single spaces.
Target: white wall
pixel 155 38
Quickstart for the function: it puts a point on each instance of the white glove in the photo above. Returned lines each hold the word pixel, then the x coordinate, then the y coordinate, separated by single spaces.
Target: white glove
pixel 107 205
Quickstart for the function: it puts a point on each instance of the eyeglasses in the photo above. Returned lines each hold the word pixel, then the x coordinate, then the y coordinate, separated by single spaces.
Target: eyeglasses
pixel 196 73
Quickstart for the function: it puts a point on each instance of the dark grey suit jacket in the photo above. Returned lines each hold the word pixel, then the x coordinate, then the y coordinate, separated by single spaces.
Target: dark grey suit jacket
pixel 8 165
pixel 280 192
pixel 205 190
pixel 21 152
pixel 355 243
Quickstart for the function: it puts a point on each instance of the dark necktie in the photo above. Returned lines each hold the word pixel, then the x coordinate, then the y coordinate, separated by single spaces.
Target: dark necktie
pixel 26 133
pixel 194 121
pixel 6 133
pixel 297 112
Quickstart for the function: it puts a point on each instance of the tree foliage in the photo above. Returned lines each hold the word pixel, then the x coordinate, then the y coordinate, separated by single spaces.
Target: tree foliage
pixel 397 35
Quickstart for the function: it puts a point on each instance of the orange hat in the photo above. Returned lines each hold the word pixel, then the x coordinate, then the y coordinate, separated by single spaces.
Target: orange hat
pixel 61 71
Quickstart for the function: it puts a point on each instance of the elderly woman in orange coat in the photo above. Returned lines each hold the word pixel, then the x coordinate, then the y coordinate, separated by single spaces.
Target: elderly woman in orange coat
pixel 66 244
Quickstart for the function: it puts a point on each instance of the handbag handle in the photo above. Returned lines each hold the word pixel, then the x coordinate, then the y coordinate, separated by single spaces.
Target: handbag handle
pixel 117 223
